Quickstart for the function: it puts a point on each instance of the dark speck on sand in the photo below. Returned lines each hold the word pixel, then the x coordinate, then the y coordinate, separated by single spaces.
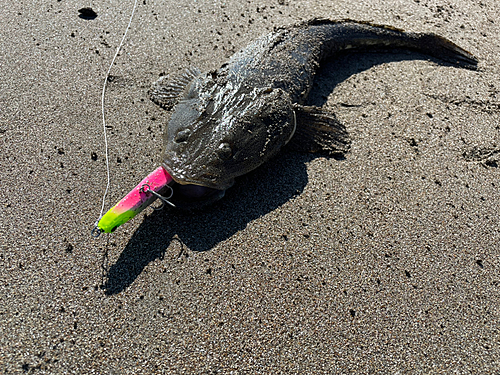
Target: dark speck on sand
pixel 87 13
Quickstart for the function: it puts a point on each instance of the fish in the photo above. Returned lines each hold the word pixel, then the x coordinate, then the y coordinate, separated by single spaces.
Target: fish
pixel 227 122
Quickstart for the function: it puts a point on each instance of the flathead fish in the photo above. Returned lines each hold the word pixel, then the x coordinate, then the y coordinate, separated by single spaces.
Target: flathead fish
pixel 227 122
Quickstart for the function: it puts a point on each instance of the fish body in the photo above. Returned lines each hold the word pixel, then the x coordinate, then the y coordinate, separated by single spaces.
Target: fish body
pixel 227 122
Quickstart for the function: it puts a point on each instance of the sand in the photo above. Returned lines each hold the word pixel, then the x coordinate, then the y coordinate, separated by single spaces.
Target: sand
pixel 384 262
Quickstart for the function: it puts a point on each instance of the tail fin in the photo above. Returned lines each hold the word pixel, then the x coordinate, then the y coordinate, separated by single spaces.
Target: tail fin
pixel 446 50
pixel 350 34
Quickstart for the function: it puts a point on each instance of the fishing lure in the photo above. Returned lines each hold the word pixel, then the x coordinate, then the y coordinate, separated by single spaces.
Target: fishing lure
pixel 136 201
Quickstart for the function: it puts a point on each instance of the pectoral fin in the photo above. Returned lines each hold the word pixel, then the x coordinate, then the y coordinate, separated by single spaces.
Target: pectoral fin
pixel 167 90
pixel 319 131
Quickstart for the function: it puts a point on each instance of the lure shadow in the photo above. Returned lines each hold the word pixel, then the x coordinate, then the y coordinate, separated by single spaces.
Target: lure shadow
pixel 253 196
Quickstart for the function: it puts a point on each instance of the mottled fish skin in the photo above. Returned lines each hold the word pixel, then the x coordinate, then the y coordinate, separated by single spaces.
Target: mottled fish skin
pixel 228 122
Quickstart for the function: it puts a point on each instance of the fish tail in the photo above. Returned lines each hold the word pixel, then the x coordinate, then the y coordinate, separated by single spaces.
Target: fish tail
pixel 365 36
pixel 442 48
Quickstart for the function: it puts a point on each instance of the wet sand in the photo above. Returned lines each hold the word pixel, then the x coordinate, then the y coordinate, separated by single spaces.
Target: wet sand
pixel 384 262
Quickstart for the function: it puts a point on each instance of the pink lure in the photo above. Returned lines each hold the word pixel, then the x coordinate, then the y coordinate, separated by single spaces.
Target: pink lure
pixel 134 202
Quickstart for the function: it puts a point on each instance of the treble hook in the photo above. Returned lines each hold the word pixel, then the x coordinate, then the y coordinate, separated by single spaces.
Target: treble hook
pixel 147 189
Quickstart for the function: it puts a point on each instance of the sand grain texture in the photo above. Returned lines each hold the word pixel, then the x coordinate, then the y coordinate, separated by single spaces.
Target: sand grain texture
pixel 385 262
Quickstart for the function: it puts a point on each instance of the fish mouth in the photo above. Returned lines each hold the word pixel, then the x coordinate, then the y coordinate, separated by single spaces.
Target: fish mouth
pixel 191 196
pixel 206 179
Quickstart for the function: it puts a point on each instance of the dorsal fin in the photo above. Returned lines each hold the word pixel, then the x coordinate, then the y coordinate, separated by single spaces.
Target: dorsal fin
pixel 166 91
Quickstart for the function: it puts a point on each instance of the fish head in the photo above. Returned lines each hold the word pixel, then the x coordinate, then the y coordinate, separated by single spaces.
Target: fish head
pixel 210 140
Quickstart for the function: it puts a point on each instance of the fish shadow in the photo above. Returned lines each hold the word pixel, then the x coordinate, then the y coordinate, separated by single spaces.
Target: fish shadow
pixel 336 70
pixel 253 196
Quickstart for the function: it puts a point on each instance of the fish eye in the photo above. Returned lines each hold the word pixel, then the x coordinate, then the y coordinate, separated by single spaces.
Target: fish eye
pixel 224 151
pixel 182 136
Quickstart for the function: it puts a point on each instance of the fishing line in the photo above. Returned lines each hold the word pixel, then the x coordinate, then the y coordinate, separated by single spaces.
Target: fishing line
pixel 96 231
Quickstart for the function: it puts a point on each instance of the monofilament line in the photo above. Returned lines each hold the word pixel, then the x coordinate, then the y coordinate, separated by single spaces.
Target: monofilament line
pixel 104 116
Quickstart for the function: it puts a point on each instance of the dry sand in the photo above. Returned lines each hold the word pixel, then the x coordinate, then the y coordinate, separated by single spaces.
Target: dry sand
pixel 385 262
